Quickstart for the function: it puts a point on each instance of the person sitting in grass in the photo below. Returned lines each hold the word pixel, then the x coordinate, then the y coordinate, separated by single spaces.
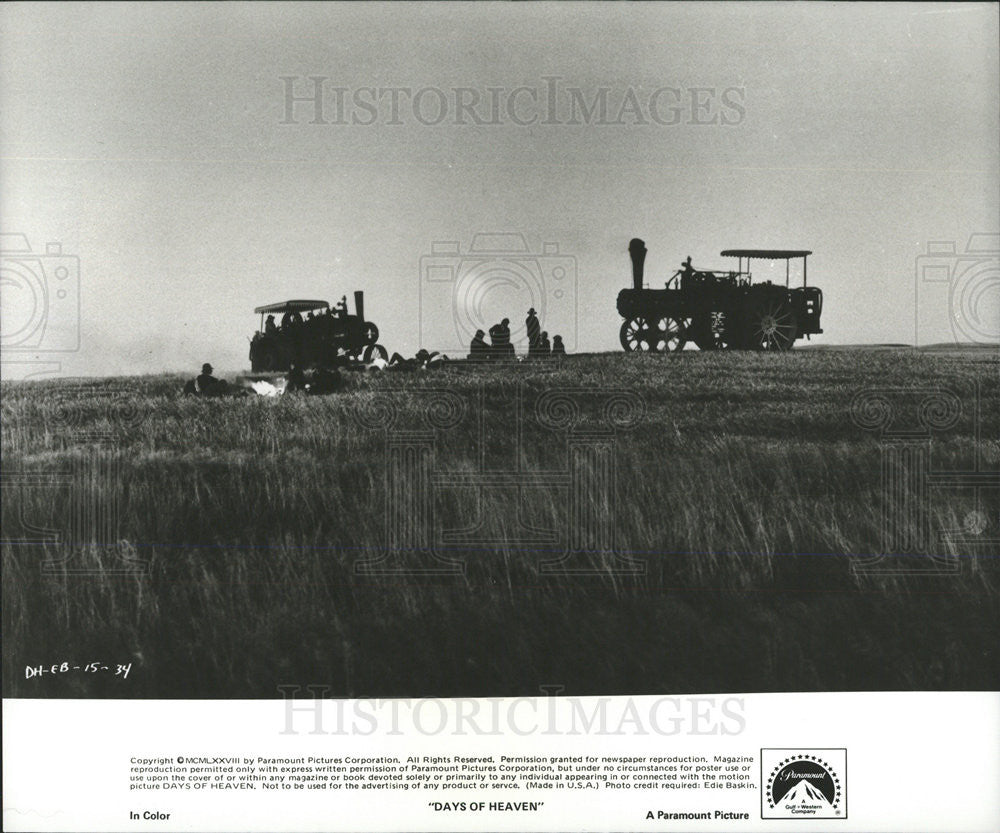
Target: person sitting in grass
pixel 558 349
pixel 421 361
pixel 479 350
pixel 205 384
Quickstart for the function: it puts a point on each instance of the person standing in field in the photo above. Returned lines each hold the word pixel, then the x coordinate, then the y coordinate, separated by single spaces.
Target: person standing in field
pixel 533 327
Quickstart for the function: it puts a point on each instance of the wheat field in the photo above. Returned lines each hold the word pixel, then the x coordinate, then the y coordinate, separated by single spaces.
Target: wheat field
pixel 733 510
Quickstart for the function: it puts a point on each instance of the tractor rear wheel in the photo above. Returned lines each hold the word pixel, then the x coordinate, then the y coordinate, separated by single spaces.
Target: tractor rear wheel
pixel 771 325
pixel 369 332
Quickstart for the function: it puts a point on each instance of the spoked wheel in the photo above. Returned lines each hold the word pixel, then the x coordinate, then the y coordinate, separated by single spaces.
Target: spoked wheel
pixel 633 335
pixel 369 332
pixel 373 350
pixel 673 333
pixel 772 325
pixel 711 331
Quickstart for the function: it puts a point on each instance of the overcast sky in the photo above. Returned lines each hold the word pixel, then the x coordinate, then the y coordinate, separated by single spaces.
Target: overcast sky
pixel 158 145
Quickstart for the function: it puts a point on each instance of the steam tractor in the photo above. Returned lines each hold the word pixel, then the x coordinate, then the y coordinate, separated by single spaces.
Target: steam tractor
pixel 718 310
pixel 312 333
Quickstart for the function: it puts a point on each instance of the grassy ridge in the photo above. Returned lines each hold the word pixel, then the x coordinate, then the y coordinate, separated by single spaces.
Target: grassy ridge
pixel 742 487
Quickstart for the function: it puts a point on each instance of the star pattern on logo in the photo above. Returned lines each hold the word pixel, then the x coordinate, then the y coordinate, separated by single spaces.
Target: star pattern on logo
pixel 811 758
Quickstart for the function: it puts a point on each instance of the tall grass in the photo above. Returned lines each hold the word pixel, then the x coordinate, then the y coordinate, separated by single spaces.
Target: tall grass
pixel 744 490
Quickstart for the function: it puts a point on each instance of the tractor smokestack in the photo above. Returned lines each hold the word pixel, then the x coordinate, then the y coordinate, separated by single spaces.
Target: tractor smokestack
pixel 637 251
pixel 359 303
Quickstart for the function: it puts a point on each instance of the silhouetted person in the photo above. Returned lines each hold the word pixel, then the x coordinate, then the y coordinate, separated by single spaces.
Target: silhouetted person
pixel 478 349
pixel 286 322
pixel 206 381
pixel 687 273
pixel 500 338
pixel 206 384
pixel 400 362
pixel 557 346
pixel 534 327
pixel 296 320
pixel 270 328
pixel 544 348
pixel 421 361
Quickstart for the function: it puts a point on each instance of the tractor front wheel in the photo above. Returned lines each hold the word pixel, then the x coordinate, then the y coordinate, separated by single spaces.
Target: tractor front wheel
pixel 653 335
pixel 673 333
pixel 632 335
pixel 369 332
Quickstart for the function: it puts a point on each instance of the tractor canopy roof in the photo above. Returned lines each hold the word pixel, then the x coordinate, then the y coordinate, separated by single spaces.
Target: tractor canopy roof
pixel 292 306
pixel 766 254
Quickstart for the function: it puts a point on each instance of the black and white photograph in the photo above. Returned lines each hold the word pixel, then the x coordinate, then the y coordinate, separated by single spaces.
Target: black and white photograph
pixel 500 416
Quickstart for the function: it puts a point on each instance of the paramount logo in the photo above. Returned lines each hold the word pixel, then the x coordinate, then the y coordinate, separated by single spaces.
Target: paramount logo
pixel 803 783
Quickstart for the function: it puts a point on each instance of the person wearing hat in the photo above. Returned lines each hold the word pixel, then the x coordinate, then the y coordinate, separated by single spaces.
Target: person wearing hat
pixel 534 327
pixel 206 382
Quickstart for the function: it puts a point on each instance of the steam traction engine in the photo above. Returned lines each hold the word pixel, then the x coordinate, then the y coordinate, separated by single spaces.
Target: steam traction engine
pixel 718 310
pixel 316 341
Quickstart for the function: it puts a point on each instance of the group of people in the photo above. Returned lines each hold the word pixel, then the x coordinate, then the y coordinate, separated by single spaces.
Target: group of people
pixel 292 321
pixel 328 381
pixel 539 346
